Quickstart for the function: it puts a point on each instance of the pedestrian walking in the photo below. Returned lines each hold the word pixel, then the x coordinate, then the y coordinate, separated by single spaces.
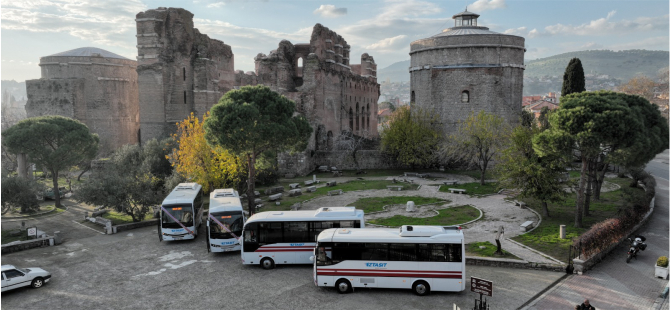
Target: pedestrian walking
pixel 586 305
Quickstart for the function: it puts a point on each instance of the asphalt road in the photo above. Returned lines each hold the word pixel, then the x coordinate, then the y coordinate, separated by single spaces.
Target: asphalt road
pixel 133 270
pixel 658 166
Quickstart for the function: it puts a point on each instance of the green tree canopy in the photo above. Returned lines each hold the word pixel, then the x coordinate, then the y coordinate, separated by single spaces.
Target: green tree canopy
pixel 53 142
pixel 588 124
pixel 411 137
pixel 22 193
pixel 252 120
pixel 521 168
pixel 478 140
pixel 573 78
pixel 130 181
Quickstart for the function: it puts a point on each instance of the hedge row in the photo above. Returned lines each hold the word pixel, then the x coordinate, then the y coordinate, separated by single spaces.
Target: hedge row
pixel 610 231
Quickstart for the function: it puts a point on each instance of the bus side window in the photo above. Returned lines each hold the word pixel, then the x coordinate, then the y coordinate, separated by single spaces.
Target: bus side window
pixel 454 253
pixel 296 232
pixel 346 224
pixel 271 232
pixel 250 232
pixel 424 253
pixel 439 253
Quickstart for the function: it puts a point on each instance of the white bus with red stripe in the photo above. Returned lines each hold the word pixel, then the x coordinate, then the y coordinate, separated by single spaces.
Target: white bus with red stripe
pixel 224 221
pixel 288 237
pixel 421 258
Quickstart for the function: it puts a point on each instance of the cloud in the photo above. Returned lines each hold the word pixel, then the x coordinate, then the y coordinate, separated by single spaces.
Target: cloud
pixel 591 46
pixel 389 43
pixel 485 5
pixel 330 11
pixel 410 8
pixel 605 26
pixel 216 5
pixel 102 22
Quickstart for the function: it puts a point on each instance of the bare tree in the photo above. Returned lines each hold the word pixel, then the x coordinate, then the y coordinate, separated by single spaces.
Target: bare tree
pixel 351 143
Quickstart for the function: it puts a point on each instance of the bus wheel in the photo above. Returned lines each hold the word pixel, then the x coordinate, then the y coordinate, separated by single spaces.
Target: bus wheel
pixel 421 288
pixel 343 286
pixel 267 263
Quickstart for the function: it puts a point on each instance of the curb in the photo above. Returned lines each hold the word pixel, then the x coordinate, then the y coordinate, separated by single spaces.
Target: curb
pixel 546 291
pixel 31 215
pixel 15 219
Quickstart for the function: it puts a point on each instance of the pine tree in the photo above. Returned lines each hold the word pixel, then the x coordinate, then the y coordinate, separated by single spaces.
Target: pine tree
pixel 573 78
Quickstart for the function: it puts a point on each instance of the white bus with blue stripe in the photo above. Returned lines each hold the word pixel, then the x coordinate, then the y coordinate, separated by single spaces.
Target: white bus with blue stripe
pixel 421 258
pixel 224 221
pixel 180 214
pixel 288 237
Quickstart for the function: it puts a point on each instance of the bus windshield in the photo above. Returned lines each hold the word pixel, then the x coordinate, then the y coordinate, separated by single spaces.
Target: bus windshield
pixel 233 221
pixel 183 213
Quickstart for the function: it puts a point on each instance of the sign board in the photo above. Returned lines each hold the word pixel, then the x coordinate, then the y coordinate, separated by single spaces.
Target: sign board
pixel 481 286
pixel 32 231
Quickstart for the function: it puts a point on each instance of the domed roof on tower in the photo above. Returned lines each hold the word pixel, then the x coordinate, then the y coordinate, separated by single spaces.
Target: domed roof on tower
pixel 88 52
pixel 465 23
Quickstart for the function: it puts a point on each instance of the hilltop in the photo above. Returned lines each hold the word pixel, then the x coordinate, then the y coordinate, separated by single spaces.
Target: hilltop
pixel 621 65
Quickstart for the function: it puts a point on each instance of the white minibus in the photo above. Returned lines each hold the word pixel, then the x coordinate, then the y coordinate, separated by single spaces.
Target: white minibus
pixel 224 221
pixel 181 213
pixel 421 258
pixel 288 237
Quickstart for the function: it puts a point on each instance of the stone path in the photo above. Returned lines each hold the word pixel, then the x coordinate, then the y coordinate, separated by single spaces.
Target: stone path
pixel 497 211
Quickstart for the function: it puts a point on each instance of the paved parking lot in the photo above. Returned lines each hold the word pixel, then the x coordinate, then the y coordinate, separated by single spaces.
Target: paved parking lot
pixel 133 270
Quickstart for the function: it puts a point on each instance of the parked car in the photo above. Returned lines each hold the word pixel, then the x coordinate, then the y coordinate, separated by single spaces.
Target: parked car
pixel 49 193
pixel 13 277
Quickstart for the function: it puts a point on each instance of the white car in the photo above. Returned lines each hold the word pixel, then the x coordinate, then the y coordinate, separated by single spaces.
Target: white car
pixel 13 277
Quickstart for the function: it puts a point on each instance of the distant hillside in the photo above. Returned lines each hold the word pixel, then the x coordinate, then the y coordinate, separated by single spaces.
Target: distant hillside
pixel 397 72
pixel 14 88
pixel 621 65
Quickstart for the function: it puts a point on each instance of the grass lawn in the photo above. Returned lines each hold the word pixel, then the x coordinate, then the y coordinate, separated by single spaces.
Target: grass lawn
pixel 120 218
pixel 374 204
pixel 473 249
pixel 545 238
pixel 451 216
pixel 473 188
pixel 287 202
pixel 476 174
pixel 7 236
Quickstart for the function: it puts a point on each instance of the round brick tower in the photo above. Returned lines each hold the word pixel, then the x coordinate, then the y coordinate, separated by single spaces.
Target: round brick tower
pixel 467 68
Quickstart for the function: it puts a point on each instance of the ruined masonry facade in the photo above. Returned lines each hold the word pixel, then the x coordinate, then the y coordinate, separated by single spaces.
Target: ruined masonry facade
pixel 181 71
pixel 93 86
pixel 467 69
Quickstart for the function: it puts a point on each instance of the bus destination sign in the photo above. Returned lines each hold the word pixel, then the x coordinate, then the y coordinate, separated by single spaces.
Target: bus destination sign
pixel 481 286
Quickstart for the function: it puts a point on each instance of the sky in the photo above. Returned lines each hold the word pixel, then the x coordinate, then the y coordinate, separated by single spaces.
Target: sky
pixel 382 28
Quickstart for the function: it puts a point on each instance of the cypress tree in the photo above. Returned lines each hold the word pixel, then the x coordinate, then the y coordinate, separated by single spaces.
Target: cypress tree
pixel 573 78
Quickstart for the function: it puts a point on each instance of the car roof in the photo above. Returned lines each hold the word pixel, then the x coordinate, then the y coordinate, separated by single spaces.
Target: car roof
pixel 7 267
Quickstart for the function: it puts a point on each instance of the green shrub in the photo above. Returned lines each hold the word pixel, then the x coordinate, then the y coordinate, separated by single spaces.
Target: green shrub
pixel 662 262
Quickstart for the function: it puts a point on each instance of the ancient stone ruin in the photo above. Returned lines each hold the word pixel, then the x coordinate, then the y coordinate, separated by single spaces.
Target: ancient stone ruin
pixel 182 71
pixel 94 86
pixel 466 69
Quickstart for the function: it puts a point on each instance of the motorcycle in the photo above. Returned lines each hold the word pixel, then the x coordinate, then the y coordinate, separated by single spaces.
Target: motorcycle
pixel 636 245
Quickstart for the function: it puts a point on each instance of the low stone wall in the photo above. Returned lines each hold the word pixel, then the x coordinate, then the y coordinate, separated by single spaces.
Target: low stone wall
pixel 29 244
pixel 129 226
pixel 511 263
pixel 367 159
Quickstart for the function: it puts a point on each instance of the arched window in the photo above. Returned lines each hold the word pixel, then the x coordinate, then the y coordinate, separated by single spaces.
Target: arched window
pixel 357 116
pixel 368 116
pixel 363 118
pixel 329 141
pixel 351 119
pixel 465 96
pixel 300 62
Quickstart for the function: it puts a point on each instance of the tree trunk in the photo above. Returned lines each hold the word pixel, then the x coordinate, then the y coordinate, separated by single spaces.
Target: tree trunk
pixel 599 182
pixel 580 193
pixel 587 199
pixel 87 168
pixel 54 175
pixel 250 185
pixel 482 180
pixel 545 209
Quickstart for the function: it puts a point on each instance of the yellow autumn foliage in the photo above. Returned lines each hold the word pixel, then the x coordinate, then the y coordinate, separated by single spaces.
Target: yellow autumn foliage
pixel 198 162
